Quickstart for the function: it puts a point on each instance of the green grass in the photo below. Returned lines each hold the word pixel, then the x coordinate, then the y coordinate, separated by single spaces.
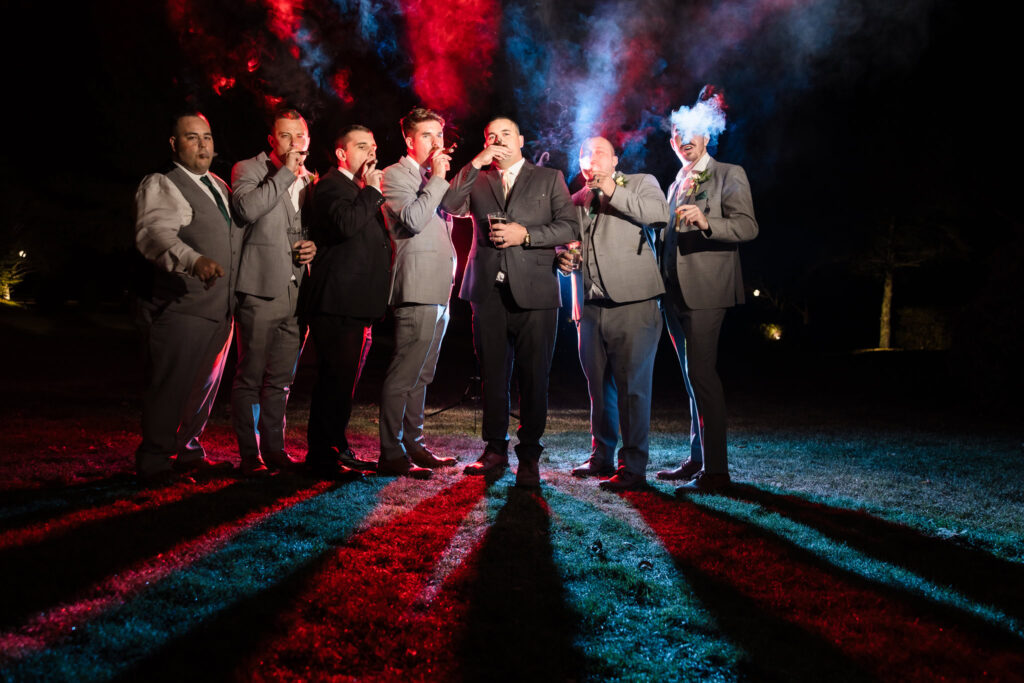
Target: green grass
pixel 906 528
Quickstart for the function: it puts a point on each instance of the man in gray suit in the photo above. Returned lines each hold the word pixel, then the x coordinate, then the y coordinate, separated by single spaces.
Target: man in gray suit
pixel 421 284
pixel 712 211
pixel 615 297
pixel 512 287
pixel 269 193
pixel 184 230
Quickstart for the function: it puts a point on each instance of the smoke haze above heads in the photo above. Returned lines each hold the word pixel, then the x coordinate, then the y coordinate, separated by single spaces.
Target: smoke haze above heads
pixel 566 71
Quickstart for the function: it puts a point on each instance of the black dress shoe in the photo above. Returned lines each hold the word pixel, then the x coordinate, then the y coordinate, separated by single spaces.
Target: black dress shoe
pixel 424 458
pixel 402 467
pixel 283 462
pixel 254 469
pixel 685 472
pixel 624 480
pixel 528 473
pixel 204 467
pixel 705 483
pixel 332 471
pixel 490 461
pixel 591 468
pixel 348 459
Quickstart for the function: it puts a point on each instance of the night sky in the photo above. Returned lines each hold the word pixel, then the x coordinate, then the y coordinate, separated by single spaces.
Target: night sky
pixel 848 116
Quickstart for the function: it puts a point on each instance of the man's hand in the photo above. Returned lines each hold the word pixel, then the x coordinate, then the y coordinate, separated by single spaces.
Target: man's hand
pixel 604 183
pixel 303 252
pixel 371 175
pixel 490 154
pixel 440 163
pixel 294 160
pixel 505 235
pixel 207 270
pixel 690 214
pixel 565 262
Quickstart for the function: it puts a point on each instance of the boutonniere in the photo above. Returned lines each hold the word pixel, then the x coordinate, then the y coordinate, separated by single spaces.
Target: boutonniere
pixel 619 179
pixel 694 190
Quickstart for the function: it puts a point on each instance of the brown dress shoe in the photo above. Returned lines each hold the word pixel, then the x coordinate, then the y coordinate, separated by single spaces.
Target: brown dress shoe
pixel 705 483
pixel 591 468
pixel 348 459
pixel 685 472
pixel 528 473
pixel 424 458
pixel 624 480
pixel 402 467
pixel 490 461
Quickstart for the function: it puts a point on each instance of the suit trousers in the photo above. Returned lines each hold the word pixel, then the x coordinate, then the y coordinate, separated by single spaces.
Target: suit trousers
pixel 618 343
pixel 270 340
pixel 506 337
pixel 419 330
pixel 342 344
pixel 695 337
pixel 185 357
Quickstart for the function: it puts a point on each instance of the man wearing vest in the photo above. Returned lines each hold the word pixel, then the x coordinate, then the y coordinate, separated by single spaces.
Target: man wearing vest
pixel 269 193
pixel 185 231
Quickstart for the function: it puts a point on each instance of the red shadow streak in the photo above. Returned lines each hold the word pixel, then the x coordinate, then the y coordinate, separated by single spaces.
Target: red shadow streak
pixel 879 630
pixel 359 614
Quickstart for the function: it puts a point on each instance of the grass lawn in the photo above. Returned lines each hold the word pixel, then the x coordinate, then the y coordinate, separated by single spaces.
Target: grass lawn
pixel 877 545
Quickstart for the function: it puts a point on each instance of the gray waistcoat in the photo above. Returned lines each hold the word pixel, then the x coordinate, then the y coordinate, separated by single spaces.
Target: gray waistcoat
pixel 210 235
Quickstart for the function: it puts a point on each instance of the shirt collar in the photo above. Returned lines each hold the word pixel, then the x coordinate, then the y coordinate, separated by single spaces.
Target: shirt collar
pixel 696 167
pixel 348 174
pixel 515 168
pixel 194 176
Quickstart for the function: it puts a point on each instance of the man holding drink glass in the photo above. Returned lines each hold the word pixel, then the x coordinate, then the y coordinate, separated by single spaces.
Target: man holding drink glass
pixel 520 213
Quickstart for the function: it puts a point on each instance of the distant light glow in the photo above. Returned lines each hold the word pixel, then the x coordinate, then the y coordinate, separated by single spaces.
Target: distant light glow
pixel 757 292
pixel 771 331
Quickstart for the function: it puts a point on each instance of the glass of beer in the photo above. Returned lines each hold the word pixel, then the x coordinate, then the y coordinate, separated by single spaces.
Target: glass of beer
pixel 495 219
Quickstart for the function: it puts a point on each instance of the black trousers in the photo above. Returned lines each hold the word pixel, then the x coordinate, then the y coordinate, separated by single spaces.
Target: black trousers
pixel 508 337
pixel 342 344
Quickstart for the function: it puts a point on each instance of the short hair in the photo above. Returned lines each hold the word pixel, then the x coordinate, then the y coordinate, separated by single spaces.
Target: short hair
pixel 286 113
pixel 342 137
pixel 501 117
pixel 417 116
pixel 184 115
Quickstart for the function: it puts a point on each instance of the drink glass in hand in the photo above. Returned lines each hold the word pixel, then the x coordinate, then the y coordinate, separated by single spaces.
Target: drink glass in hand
pixel 495 219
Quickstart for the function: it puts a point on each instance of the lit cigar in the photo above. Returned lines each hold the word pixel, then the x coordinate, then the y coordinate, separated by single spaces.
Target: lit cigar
pixel 449 150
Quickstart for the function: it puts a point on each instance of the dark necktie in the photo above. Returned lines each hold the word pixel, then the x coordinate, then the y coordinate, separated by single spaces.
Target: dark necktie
pixel 216 196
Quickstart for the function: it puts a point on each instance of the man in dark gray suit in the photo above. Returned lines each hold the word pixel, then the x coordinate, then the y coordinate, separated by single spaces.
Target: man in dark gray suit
pixel 421 284
pixel 616 310
pixel 269 193
pixel 184 229
pixel 712 211
pixel 512 287
pixel 346 291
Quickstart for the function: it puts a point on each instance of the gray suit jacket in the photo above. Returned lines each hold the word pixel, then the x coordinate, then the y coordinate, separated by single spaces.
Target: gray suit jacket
pixel 539 201
pixel 261 200
pixel 707 267
pixel 620 236
pixel 425 260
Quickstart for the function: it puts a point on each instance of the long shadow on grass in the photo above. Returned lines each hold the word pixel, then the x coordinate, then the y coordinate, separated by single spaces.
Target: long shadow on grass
pixel 519 627
pixel 802 619
pixel 56 569
pixel 350 613
pixel 975 573
pixel 25 506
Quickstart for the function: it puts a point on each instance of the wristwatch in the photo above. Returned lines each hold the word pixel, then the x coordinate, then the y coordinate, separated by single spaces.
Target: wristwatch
pixel 526 240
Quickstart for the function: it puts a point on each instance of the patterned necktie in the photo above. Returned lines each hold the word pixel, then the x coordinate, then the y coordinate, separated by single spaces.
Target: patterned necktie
pixel 205 180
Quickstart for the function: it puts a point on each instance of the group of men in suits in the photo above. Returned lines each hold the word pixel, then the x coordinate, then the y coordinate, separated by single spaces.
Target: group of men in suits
pixel 363 240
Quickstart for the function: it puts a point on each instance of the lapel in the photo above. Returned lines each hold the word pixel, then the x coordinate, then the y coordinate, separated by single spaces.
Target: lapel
pixel 519 189
pixel 415 174
pixel 493 177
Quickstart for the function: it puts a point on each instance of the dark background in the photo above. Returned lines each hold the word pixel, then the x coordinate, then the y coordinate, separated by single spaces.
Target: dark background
pixel 902 118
